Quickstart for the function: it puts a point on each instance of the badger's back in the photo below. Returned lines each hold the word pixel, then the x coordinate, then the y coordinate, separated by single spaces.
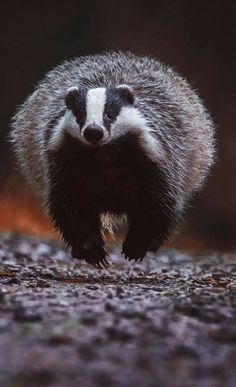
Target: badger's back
pixel 170 106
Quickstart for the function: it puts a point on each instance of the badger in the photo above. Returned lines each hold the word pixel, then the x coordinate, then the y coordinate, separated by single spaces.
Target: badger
pixel 108 135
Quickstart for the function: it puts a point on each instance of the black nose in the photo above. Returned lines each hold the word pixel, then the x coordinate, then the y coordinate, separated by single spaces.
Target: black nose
pixel 93 133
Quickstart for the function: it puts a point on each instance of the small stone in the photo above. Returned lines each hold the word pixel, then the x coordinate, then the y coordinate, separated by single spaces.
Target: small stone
pixel 22 314
pixel 14 281
pixel 43 249
pixel 118 333
pixel 232 287
pixel 58 339
pixel 119 290
pixel 42 283
pixel 92 287
pixel 109 306
pixel 129 313
pixel 89 320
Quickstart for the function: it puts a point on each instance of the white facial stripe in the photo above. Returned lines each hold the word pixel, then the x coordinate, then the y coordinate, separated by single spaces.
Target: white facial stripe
pixel 95 101
pixel 131 120
pixel 67 123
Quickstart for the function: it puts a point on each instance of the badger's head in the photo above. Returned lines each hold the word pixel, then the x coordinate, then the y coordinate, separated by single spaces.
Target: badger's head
pixel 100 115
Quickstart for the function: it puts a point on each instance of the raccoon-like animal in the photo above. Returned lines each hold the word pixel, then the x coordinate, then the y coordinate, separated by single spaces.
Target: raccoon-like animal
pixel 114 134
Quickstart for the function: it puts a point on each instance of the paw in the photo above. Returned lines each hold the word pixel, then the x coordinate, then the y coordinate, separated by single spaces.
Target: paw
pixel 93 252
pixel 133 249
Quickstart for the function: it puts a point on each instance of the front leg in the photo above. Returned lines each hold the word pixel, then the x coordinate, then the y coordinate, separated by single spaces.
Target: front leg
pixel 147 230
pixel 81 230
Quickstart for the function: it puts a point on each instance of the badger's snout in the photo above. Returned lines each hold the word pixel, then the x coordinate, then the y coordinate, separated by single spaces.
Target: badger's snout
pixel 93 133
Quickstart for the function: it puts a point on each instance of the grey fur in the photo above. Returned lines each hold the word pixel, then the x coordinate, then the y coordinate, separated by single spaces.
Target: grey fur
pixel 175 114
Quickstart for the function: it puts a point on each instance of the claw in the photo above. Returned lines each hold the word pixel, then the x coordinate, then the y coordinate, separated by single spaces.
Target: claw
pixel 105 259
pixel 94 264
pixel 136 259
pixel 131 258
pixel 106 262
pixel 103 264
pixel 98 265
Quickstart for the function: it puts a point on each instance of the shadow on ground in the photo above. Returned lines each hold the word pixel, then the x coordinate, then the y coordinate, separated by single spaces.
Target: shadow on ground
pixel 169 321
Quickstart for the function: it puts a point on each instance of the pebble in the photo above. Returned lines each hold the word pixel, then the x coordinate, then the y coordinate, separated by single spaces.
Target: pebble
pixel 23 314
pixel 110 306
pixel 232 287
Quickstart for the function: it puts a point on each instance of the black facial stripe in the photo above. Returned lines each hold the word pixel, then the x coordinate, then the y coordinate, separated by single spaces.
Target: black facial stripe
pixel 81 112
pixel 114 103
pixel 78 106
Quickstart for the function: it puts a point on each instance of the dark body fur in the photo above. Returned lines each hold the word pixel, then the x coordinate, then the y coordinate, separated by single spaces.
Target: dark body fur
pixel 114 179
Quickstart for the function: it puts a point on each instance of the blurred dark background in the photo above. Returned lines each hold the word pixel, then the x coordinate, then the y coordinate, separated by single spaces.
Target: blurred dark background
pixel 195 37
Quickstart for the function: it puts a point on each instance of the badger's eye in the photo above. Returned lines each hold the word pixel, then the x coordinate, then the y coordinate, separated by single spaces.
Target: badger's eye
pixel 109 115
pixel 80 116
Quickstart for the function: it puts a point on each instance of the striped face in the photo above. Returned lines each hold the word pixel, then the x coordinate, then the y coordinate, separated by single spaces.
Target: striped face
pixel 97 111
pixel 102 115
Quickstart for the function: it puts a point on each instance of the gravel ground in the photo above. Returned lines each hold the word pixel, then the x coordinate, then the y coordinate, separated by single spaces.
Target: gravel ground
pixel 169 321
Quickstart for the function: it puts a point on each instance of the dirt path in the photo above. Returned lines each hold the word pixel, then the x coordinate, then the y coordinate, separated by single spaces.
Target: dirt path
pixel 170 321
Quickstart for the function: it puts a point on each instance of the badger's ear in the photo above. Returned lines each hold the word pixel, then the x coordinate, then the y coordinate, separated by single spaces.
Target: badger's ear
pixel 127 93
pixel 72 98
